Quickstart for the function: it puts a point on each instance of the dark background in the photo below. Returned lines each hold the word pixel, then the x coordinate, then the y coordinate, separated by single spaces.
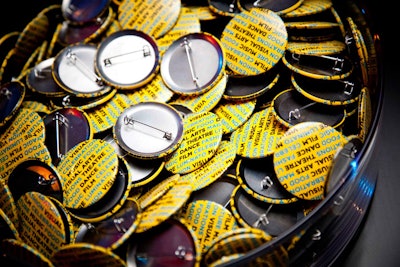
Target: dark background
pixel 378 240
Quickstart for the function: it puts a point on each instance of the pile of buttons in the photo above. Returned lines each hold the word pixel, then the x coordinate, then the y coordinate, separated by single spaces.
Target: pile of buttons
pixel 174 133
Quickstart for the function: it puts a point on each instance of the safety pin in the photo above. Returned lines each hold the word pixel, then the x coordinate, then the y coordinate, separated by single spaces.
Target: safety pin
pixel 146 52
pixel 257 3
pixel 82 67
pixel 263 219
pixel 348 87
pixel 91 227
pixel 181 252
pixel 118 225
pixel 266 183
pixel 39 73
pixel 66 101
pixel 337 65
pixel 6 92
pixel 43 181
pixel 295 113
pixel 188 50
pixel 232 6
pixel 348 39
pixel 59 118
pixel 127 121
pixel 349 152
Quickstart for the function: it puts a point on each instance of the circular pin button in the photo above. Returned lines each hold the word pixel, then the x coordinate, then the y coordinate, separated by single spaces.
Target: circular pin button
pixel 12 95
pixel 303 158
pixel 73 69
pixel 193 63
pixel 149 130
pixel 81 12
pixel 127 59
pixel 247 39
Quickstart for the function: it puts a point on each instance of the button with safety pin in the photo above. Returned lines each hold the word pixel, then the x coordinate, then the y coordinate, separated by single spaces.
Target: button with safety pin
pixel 127 59
pixel 193 64
pixel 149 130
pixel 73 70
